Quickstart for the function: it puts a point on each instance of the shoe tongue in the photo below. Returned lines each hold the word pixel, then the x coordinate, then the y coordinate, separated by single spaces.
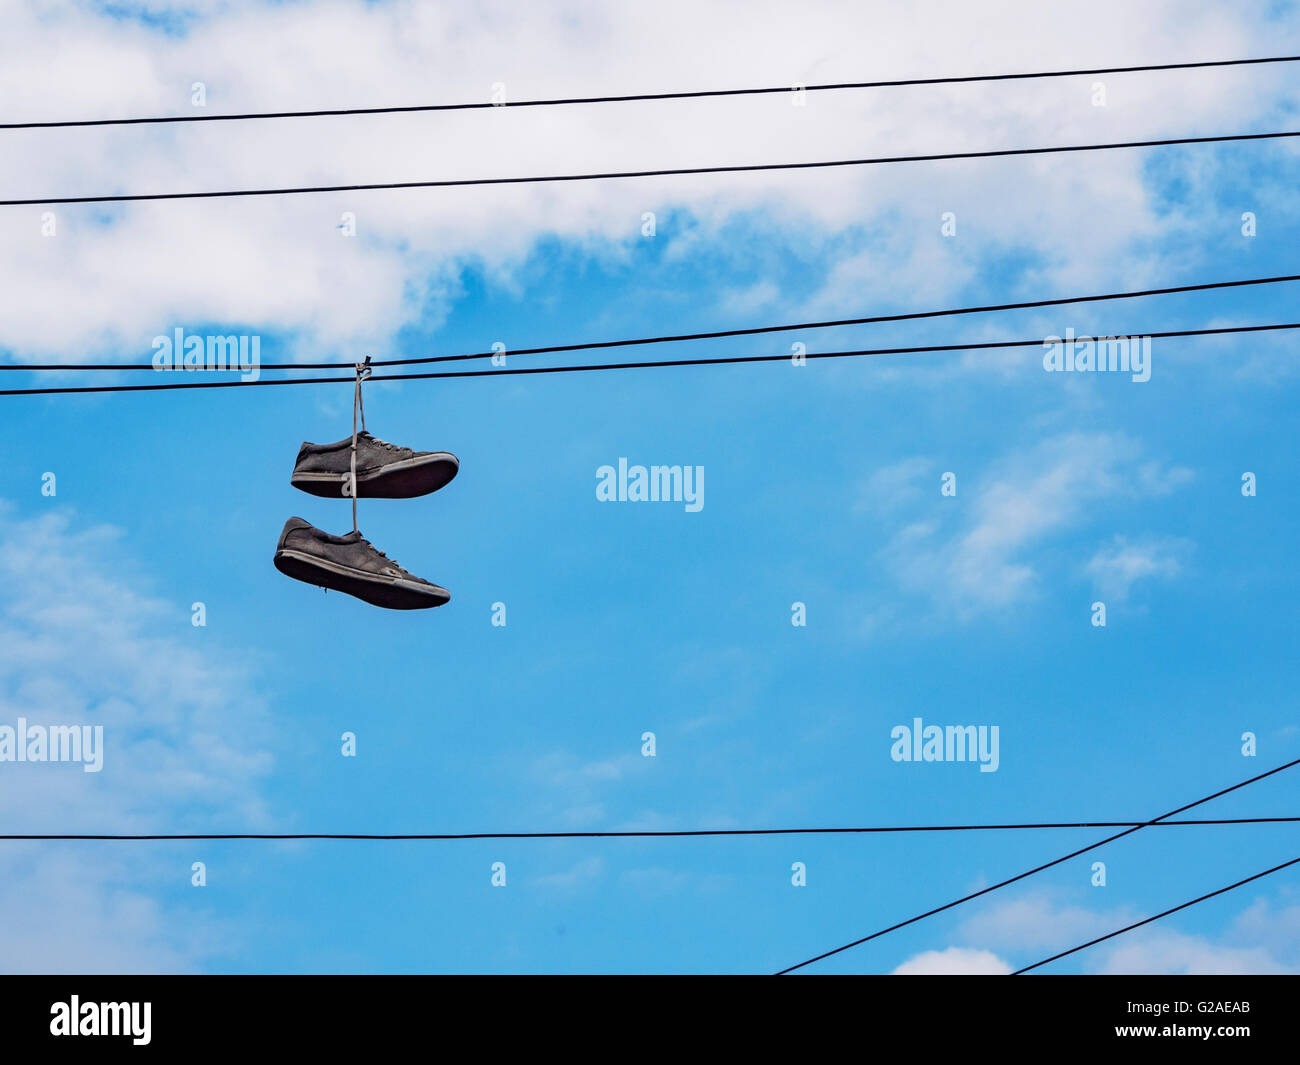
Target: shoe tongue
pixel 352 538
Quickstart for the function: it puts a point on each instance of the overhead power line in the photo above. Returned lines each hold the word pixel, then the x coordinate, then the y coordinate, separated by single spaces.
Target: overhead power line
pixel 1037 869
pixel 641 97
pixel 1158 916
pixel 616 174
pixel 730 360
pixel 907 316
pixel 647 834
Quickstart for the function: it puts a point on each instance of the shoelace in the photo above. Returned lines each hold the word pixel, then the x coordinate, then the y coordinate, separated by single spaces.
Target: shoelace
pixel 391 561
pixel 384 443
pixel 358 408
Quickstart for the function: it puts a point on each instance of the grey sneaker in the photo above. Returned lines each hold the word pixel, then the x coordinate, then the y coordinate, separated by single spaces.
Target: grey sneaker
pixel 384 470
pixel 349 564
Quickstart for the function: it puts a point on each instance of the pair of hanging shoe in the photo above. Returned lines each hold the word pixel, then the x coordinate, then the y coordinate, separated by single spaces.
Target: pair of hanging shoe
pixel 350 563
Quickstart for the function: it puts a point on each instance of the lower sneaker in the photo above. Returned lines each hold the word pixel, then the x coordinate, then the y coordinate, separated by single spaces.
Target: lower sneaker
pixel 350 564
pixel 384 470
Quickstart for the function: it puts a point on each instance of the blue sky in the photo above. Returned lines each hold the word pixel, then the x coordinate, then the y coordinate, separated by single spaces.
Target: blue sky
pixel 822 486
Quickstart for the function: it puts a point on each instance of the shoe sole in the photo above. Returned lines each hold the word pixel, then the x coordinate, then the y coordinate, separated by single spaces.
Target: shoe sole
pixel 395 593
pixel 397 480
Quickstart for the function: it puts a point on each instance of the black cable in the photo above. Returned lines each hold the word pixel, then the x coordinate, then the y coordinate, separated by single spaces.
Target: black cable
pixel 1166 913
pixel 670 172
pixel 1033 871
pixel 667 833
pixel 694 95
pixel 907 316
pixel 592 367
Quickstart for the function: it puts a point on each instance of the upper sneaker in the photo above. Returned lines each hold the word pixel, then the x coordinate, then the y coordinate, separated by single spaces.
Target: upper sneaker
pixel 384 470
pixel 350 564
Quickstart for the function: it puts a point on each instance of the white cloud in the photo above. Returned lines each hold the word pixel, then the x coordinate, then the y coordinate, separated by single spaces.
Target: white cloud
pixel 115 277
pixel 894 486
pixel 980 557
pixel 582 874
pixel 1171 953
pixel 1037 922
pixel 954 961
pixel 73 909
pixel 183 725
pixel 1268 923
pixel 184 744
pixel 745 301
pixel 572 792
pixel 1263 938
pixel 1120 564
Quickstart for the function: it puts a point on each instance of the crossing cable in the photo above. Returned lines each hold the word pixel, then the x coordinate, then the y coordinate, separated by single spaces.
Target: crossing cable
pixel 730 360
pixel 665 172
pixel 639 834
pixel 1037 869
pixel 1158 916
pixel 636 97
pixel 906 316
